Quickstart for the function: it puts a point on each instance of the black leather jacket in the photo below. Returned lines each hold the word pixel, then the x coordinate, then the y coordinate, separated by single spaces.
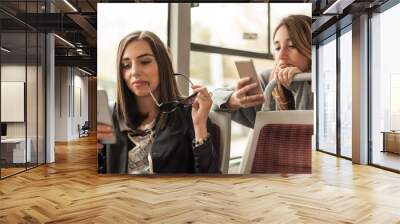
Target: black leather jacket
pixel 172 150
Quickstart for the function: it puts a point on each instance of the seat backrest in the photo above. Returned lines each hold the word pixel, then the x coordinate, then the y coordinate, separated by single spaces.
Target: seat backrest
pixel 276 134
pixel 221 136
pixel 283 148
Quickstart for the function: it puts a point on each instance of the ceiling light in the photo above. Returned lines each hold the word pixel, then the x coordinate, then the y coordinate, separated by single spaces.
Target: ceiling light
pixel 70 5
pixel 5 50
pixel 338 6
pixel 84 71
pixel 64 40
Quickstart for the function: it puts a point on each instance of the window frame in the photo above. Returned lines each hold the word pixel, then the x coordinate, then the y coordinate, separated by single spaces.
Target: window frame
pixel 206 48
pixel 379 10
pixel 347 27
pixel 28 29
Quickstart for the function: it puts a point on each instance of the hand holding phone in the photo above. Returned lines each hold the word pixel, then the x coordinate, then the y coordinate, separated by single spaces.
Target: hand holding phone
pixel 248 91
pixel 246 70
pixel 105 130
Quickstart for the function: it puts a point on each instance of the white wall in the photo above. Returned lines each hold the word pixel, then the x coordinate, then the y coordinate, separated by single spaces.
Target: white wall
pixel 70 84
pixel 61 103
pixel 81 101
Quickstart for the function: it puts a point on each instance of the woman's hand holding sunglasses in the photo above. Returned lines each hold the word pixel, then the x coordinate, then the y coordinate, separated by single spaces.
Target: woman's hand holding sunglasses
pixel 200 110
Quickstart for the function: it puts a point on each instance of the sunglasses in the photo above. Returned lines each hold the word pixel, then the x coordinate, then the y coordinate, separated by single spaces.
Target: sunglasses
pixel 170 106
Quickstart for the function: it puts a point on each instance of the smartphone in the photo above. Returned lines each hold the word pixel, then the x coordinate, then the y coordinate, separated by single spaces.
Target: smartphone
pixel 246 69
pixel 104 115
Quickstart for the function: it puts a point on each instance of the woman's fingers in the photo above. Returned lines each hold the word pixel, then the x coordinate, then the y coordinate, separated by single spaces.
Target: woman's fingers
pixel 250 101
pixel 256 98
pixel 199 89
pixel 248 88
pixel 196 86
pixel 276 74
pixel 284 75
pixel 292 72
pixel 203 98
pixel 244 90
pixel 201 105
pixel 195 105
pixel 252 104
pixel 290 77
pixel 244 85
pixel 243 82
pixel 280 76
pixel 246 100
pixel 203 93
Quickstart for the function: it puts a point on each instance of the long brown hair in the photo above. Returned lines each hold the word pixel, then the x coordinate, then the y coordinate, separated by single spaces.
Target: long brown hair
pixel 299 29
pixel 127 107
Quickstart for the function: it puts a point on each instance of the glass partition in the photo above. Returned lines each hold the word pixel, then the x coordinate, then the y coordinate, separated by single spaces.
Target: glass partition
pixel 385 89
pixel 346 94
pixel 23 86
pixel 13 95
pixel 326 92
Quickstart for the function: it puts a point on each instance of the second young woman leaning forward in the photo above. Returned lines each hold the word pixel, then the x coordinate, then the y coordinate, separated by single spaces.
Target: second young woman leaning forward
pixel 292 43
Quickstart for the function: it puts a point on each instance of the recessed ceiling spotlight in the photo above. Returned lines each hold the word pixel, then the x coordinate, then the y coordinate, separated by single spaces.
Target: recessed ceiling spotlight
pixel 84 71
pixel 64 40
pixel 5 50
pixel 70 5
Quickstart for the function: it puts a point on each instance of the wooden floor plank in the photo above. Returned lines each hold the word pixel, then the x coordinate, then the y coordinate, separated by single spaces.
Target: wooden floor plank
pixel 71 191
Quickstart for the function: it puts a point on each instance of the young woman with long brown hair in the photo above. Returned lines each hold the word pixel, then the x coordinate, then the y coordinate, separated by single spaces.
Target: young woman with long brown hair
pixel 292 44
pixel 157 130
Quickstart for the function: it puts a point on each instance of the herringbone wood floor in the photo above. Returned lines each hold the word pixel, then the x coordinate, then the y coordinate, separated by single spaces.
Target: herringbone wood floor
pixel 70 191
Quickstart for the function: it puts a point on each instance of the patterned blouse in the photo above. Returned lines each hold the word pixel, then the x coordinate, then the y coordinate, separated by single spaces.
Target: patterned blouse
pixel 139 157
